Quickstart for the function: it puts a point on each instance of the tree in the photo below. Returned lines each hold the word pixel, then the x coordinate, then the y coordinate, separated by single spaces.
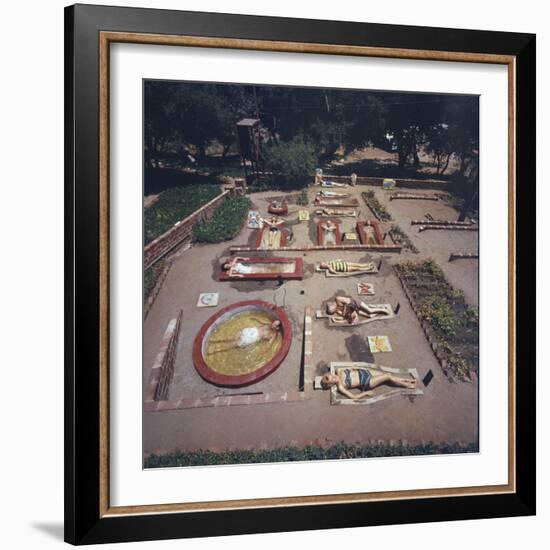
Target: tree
pixel 292 163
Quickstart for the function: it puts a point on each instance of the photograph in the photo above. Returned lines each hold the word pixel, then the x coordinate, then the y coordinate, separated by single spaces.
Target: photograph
pixel 310 273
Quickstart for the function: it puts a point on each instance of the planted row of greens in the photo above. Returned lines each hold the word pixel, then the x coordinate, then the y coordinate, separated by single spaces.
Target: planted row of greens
pixel 377 208
pixel 400 237
pixel 455 324
pixel 311 452
pixel 225 223
pixel 173 205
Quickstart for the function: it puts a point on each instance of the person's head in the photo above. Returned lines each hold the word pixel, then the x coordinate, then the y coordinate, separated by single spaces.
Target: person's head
pixel 332 308
pixel 323 265
pixel 226 266
pixel 328 380
pixel 276 325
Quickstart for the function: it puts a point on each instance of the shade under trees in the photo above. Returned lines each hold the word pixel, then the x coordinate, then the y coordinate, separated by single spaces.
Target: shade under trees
pixel 183 118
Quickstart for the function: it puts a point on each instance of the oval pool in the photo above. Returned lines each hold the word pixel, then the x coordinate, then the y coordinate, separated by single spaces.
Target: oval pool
pixel 219 361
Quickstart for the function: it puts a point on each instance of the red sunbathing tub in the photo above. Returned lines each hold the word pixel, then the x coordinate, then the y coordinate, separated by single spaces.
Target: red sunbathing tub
pixel 363 234
pixel 337 232
pixel 201 340
pixel 290 272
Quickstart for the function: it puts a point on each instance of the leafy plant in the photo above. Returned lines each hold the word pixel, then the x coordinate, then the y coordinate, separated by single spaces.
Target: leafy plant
pixel 225 223
pixel 302 198
pixel 440 314
pixel 173 205
pixel 400 237
pixel 310 452
pixel 374 204
pixel 454 323
pixel 291 163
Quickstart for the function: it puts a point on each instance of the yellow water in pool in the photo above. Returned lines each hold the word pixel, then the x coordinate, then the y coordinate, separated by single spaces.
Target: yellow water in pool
pixel 222 356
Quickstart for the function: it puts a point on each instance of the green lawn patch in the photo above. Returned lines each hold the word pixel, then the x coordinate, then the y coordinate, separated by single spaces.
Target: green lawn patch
pixel 225 223
pixel 174 205
pixel 455 324
pixel 311 452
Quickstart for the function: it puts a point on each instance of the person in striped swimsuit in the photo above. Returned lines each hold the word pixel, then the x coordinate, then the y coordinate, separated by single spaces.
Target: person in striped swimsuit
pixel 341 266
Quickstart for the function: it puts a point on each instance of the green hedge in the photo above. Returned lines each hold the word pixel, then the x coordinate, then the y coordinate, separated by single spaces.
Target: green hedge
pixel 311 452
pixel 225 223
pixel 455 324
pixel 291 164
pixel 174 205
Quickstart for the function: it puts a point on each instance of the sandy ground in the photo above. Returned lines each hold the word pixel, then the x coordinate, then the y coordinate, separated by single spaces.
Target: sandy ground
pixel 446 412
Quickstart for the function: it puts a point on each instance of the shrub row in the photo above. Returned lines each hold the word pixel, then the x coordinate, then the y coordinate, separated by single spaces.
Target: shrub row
pixel 174 205
pixel 455 324
pixel 311 452
pixel 374 204
pixel 400 237
pixel 225 223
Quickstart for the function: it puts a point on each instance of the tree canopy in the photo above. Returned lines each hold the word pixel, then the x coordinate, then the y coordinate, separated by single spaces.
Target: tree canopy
pixel 183 118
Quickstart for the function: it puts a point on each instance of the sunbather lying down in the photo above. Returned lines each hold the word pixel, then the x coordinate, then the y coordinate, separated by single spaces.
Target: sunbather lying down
pixel 364 380
pixel 349 311
pixel 342 266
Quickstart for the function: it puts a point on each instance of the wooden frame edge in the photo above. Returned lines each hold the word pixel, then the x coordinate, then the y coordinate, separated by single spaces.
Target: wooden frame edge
pixel 301 47
pixel 105 39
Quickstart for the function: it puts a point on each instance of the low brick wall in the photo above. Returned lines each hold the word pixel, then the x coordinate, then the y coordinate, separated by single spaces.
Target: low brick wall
pixel 181 232
pixel 162 371
pixel 150 300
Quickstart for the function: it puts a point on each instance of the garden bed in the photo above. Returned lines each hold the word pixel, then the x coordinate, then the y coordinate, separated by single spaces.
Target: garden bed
pixel 225 223
pixel 173 205
pixel 451 325
pixel 398 236
pixel 379 211
pixel 310 452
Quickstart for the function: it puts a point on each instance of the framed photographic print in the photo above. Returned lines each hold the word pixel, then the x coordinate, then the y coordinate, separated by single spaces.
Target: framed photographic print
pixel 299 274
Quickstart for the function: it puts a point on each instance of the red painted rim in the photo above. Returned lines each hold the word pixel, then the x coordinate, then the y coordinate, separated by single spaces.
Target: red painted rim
pixel 337 233
pixel 298 273
pixel 261 234
pixel 363 235
pixel 244 379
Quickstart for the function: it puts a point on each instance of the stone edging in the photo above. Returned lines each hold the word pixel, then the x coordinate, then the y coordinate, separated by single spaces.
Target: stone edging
pixel 162 371
pixel 308 350
pixel 226 400
pixel 156 289
pixel 358 247
pixel 441 359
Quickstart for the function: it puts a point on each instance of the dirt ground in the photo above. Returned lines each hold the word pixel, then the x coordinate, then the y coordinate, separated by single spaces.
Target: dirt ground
pixel 447 412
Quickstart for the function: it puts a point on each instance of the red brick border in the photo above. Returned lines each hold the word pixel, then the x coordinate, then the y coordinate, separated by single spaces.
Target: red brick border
pixel 440 356
pixel 363 234
pixel 298 273
pixel 335 202
pixel 227 400
pixel 337 233
pixel 351 247
pixel 243 380
pixel 282 242
pixel 156 289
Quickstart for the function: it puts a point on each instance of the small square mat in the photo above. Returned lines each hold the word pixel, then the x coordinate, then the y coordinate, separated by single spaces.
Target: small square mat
pixel 303 215
pixel 208 299
pixel 379 344
pixel 365 289
pixel 254 220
